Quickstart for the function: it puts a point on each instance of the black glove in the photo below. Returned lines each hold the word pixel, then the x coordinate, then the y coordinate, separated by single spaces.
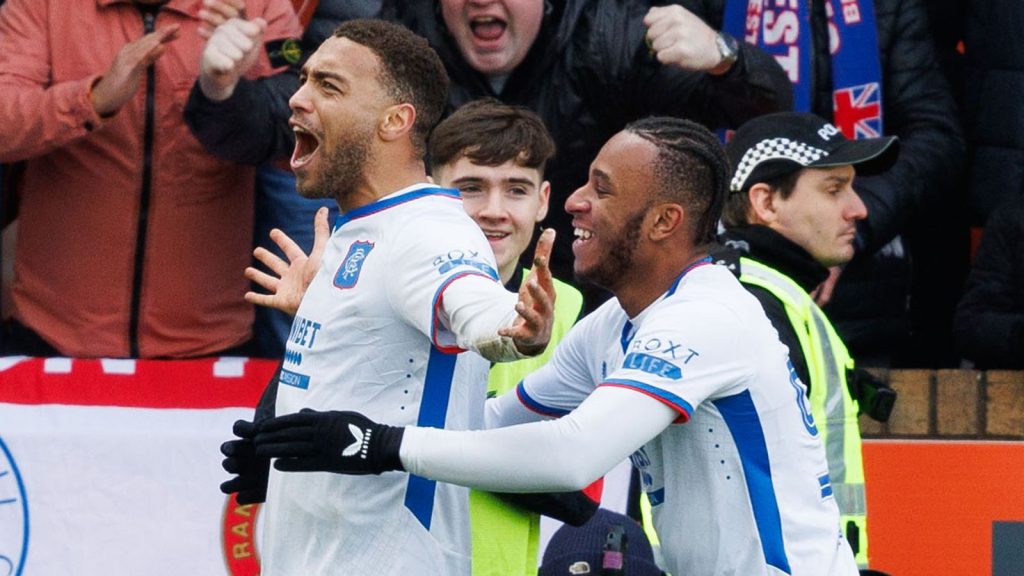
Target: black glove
pixel 252 471
pixel 573 508
pixel 341 442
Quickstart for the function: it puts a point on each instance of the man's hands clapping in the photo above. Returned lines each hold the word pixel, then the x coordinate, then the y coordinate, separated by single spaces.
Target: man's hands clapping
pixel 122 80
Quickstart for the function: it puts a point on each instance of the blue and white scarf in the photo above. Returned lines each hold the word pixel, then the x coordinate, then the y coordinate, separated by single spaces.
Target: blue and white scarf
pixel 782 28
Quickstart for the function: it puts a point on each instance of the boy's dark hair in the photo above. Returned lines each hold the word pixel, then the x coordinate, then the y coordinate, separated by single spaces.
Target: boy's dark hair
pixel 411 70
pixel 737 206
pixel 490 133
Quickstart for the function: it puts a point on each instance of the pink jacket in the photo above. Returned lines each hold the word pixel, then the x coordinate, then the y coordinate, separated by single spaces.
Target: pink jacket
pixel 86 279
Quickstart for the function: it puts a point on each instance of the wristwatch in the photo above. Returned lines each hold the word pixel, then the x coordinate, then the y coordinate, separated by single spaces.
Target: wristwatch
pixel 729 50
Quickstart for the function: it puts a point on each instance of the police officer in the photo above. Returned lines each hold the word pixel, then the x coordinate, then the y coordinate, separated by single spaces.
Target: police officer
pixel 790 220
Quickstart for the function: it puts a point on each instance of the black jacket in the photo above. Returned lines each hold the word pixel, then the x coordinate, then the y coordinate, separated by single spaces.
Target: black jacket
pixel 989 324
pixel 587 75
pixel 993 114
pixel 776 251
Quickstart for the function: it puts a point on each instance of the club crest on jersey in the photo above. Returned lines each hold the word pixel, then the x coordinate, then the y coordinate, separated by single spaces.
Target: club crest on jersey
pixel 348 273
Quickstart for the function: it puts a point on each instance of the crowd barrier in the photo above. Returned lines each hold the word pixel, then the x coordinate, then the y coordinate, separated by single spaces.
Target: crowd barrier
pixel 111 467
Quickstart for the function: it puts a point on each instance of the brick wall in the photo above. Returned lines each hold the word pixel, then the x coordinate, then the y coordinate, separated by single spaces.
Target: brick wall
pixel 965 404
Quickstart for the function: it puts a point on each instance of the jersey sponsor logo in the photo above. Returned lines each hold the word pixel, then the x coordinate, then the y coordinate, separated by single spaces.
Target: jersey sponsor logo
pixel 292 357
pixel 239 538
pixel 304 332
pixel 348 273
pixel 666 348
pixel 294 379
pixel 463 258
pixel 14 523
pixel 652 365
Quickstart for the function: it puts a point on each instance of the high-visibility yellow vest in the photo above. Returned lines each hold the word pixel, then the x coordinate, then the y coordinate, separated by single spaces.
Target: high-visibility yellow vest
pixel 831 402
pixel 506 539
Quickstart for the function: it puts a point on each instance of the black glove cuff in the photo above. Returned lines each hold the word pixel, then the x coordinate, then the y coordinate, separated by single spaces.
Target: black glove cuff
pixel 389 443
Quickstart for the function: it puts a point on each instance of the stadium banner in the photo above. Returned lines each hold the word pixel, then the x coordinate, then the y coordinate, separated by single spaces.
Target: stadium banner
pixel 112 467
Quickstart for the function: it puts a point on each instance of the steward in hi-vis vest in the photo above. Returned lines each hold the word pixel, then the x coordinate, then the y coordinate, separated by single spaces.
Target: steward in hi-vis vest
pixel 790 224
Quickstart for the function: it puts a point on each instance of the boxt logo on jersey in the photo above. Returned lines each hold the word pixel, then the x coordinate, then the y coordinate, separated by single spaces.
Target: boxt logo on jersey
pixel 13 516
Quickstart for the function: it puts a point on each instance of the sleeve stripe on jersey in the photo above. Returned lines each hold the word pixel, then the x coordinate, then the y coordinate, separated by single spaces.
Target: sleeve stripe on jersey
pixel 674 402
pixel 435 320
pixel 536 406
pixel 740 415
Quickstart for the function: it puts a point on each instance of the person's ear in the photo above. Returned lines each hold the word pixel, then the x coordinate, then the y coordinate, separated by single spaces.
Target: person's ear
pixel 397 121
pixel 763 209
pixel 545 196
pixel 666 220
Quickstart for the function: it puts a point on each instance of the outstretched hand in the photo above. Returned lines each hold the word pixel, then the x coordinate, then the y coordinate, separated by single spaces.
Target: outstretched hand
pixel 294 275
pixel 339 442
pixel 536 307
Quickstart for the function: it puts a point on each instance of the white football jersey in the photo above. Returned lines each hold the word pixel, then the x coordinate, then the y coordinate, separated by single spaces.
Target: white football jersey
pixel 367 337
pixel 739 484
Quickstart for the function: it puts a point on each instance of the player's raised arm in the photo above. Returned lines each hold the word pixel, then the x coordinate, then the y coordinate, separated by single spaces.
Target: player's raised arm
pixel 531 331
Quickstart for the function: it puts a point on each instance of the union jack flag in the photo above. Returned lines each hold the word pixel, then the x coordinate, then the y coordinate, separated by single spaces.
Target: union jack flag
pixel 858 111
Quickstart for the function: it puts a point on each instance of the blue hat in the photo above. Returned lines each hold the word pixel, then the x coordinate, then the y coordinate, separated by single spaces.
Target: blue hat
pixel 609 543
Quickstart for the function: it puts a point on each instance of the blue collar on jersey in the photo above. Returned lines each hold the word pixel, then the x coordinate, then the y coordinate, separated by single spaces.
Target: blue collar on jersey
pixel 690 266
pixel 392 201
pixel 627 328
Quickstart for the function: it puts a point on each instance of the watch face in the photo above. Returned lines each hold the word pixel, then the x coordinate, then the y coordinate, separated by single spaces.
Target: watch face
pixel 727 47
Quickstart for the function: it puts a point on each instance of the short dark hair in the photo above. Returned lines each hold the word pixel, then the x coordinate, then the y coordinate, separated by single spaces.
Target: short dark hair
pixel 737 206
pixel 490 133
pixel 691 169
pixel 411 70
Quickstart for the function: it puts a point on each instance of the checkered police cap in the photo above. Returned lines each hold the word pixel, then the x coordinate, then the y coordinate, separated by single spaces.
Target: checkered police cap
pixel 775 145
